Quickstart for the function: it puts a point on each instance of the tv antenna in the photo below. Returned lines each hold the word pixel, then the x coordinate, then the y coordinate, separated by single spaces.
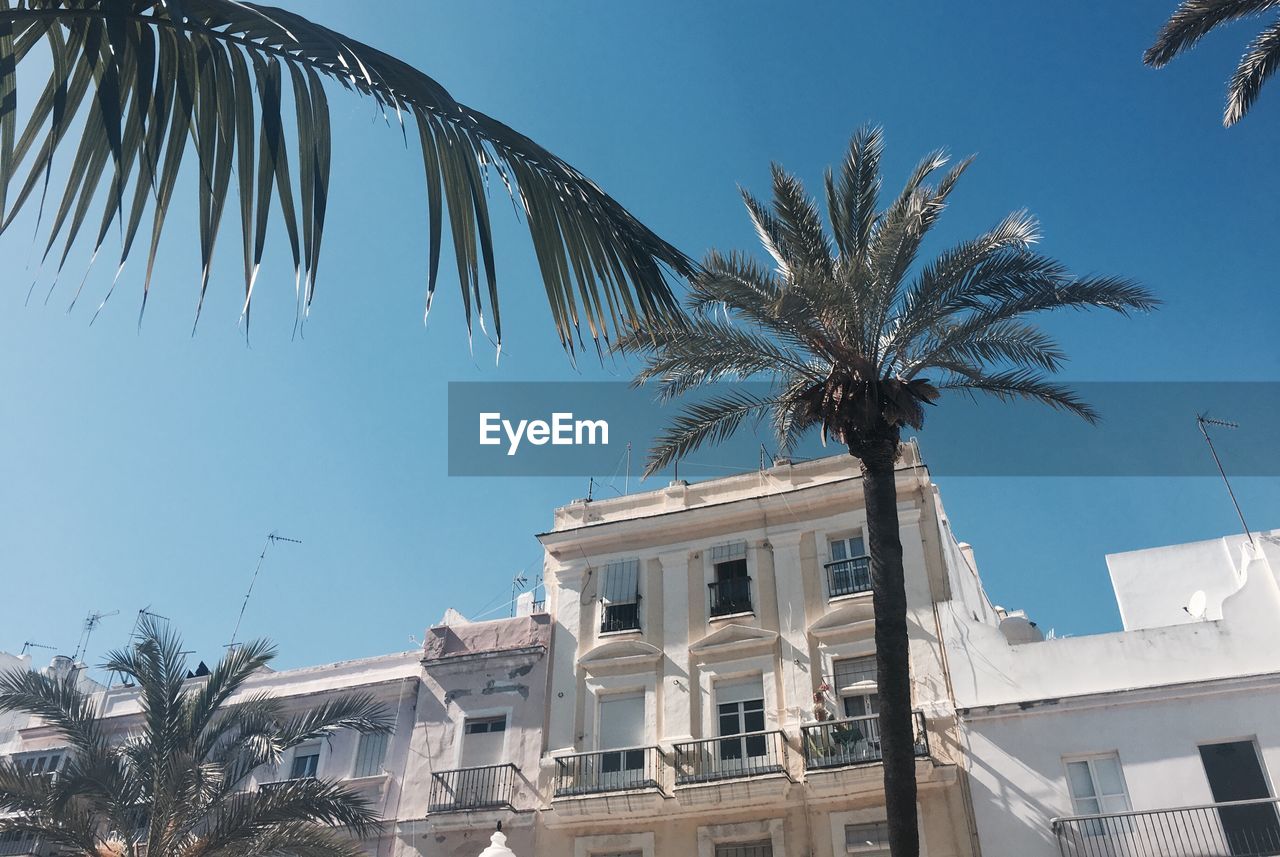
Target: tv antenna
pixel 1203 420
pixel 272 538
pixel 91 622
pixel 133 635
pixel 28 645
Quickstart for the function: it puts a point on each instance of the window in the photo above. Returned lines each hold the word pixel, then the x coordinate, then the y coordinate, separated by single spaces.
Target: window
pixel 620 599
pixel 1097 786
pixel 867 840
pixel 849 570
pixel 731 589
pixel 747 849
pixel 481 725
pixel 482 741
pixel 622 729
pixel 740 711
pixel 306 762
pixel 41 763
pixel 855 685
pixel 370 753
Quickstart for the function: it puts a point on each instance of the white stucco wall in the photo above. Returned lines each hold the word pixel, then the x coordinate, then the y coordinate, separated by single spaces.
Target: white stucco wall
pixel 1151 693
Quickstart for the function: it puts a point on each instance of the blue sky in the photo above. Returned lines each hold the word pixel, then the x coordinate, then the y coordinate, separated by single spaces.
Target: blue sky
pixel 144 467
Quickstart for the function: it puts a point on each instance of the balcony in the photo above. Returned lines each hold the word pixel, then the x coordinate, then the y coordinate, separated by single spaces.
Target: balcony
pixel 283 784
pixel 731 757
pixel 1247 828
pixel 491 787
pixel 621 617
pixel 16 844
pixel 730 596
pixel 609 771
pixel 848 576
pixel 852 741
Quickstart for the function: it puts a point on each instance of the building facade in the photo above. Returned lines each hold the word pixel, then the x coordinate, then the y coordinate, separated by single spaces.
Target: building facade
pixel 462 754
pixel 1159 740
pixel 713 688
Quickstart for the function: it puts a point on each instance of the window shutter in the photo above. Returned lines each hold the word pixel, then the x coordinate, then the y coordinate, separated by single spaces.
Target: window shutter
pixel 370 754
pixel 621 721
pixel 621 582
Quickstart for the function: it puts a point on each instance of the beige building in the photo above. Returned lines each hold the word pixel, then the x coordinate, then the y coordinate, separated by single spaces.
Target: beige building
pixel 693 628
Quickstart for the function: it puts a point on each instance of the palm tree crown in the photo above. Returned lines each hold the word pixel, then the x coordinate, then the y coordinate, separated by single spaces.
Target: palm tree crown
pixel 174 783
pixel 854 341
pixel 150 77
pixel 1194 19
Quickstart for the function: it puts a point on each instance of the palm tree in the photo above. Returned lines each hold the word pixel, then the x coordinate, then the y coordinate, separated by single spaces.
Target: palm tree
pixel 845 335
pixel 174 782
pixel 152 78
pixel 1193 19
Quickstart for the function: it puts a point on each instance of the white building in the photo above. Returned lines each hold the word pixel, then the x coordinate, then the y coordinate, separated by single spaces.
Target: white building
pixel 462 755
pixel 1127 744
pixel 693 627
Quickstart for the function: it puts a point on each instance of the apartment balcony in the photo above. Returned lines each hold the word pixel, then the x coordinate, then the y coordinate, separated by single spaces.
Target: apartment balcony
pixel 468 789
pixel 848 576
pixel 731 596
pixel 1248 828
pixel 852 741
pixel 610 771
pixel 731 757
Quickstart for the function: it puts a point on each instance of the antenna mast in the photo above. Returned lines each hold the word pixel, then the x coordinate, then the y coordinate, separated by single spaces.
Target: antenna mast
pixel 90 623
pixel 272 538
pixel 1203 420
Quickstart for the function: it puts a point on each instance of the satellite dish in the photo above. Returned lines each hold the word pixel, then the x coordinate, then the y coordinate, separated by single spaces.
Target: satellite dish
pixel 1196 606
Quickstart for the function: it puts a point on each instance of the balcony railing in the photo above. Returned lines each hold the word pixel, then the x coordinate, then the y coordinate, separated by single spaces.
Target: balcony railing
pixel 16 844
pixel 729 596
pixel 1247 828
pixel 731 757
pixel 852 741
pixel 621 617
pixel 282 784
pixel 491 787
pixel 609 771
pixel 849 576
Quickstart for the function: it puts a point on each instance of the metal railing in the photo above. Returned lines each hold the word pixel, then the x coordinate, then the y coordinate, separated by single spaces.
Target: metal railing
pixel 609 771
pixel 281 784
pixel 848 576
pixel 731 757
pixel 14 843
pixel 621 617
pixel 1246 828
pixel 852 741
pixel 732 595
pixel 490 787
pixel 539 606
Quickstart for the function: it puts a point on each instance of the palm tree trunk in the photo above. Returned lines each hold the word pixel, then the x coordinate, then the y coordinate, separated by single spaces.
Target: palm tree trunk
pixel 893 662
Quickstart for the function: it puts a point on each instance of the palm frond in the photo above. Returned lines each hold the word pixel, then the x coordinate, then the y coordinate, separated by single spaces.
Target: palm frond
pixel 155 78
pixel 1192 20
pixel 1257 65
pixel 708 422
pixel 230 674
pixel 852 206
pixel 802 225
pixel 1023 384
pixel 359 711
pixel 59 702
pixel 705 350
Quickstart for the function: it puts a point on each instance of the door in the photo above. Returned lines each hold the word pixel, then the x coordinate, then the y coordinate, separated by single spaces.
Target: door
pixel 740 712
pixel 622 731
pixel 1235 773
